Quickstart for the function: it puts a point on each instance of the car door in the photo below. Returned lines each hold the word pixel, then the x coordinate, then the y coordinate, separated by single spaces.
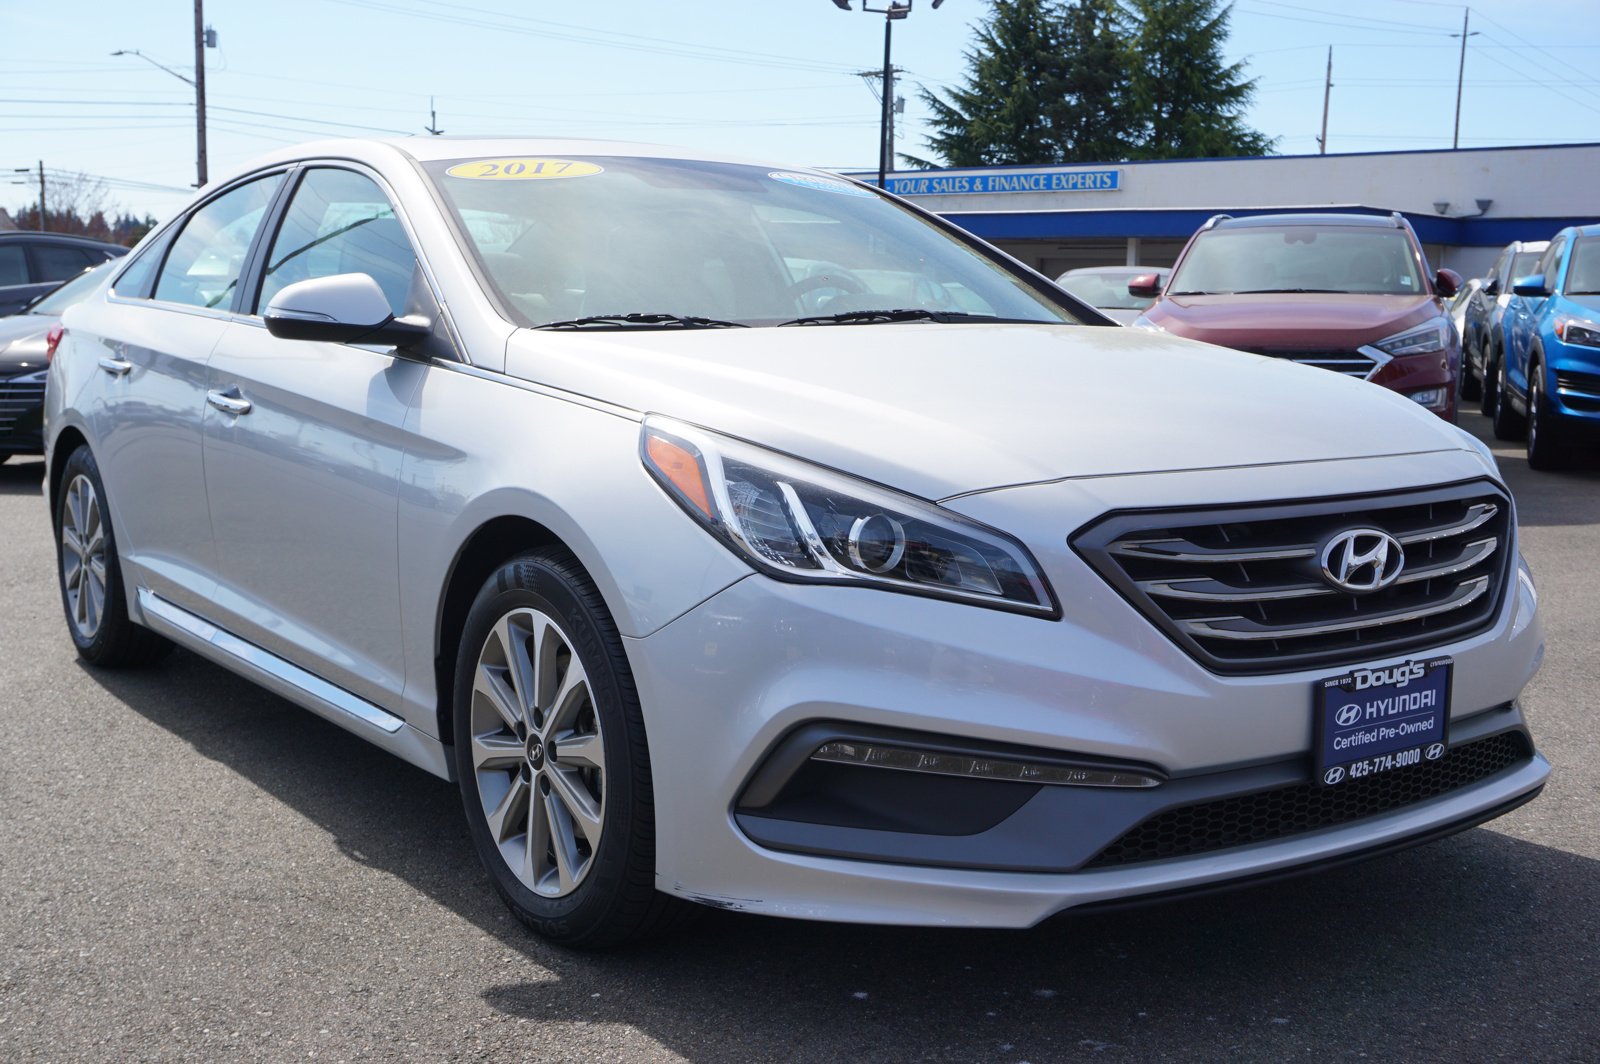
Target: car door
pixel 157 328
pixel 1523 316
pixel 303 444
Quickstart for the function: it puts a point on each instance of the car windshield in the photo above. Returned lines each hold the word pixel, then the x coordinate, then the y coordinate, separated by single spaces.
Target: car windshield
pixel 1106 290
pixel 72 292
pixel 572 240
pixel 1299 258
pixel 1583 276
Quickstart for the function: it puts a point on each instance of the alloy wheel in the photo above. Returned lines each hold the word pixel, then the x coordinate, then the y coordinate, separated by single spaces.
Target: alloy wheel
pixel 538 752
pixel 83 556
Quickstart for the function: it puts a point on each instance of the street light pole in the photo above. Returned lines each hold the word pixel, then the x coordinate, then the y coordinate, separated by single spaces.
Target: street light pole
pixel 897 9
pixel 199 94
pixel 204 37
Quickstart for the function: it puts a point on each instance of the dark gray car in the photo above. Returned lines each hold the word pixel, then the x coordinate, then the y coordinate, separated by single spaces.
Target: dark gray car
pixel 31 264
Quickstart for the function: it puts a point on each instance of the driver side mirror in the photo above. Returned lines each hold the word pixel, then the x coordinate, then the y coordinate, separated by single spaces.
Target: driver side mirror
pixel 1145 286
pixel 1531 286
pixel 1446 283
pixel 1492 288
pixel 346 308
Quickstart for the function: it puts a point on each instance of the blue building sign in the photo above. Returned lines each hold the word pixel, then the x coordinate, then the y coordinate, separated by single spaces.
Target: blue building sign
pixel 1008 181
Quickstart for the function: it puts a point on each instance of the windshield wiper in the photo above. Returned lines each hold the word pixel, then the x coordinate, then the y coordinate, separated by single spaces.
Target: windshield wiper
pixel 874 317
pixel 673 321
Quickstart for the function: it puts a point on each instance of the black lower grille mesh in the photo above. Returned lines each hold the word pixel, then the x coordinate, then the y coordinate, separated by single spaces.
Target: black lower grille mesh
pixel 1306 807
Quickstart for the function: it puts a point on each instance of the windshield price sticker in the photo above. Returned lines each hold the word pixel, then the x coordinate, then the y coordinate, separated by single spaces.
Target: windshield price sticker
pixel 524 169
pixel 1371 721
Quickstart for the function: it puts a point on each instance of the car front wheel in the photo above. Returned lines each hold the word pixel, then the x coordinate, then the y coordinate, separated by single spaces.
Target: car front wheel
pixel 551 754
pixel 1548 445
pixel 1508 424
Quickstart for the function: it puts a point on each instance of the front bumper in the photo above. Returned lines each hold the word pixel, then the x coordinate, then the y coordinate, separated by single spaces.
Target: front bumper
pixel 728 683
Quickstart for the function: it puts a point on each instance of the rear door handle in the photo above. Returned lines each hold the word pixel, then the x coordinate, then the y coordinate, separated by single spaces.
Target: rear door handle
pixel 233 403
pixel 116 367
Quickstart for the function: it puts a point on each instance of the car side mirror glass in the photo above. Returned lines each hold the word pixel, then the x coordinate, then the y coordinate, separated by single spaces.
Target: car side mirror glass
pixel 1530 286
pixel 1145 286
pixel 1492 287
pixel 1447 283
pixel 346 308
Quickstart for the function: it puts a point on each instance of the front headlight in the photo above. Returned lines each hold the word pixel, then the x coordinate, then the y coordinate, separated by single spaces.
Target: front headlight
pixel 1425 339
pixel 797 521
pixel 1578 331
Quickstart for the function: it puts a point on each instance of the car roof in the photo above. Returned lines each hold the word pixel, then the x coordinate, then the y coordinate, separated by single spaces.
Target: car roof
pixel 58 238
pixel 1519 247
pixel 1112 271
pixel 434 149
pixel 1263 221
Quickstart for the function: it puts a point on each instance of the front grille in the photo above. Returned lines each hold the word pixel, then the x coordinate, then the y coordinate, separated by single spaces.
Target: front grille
pixel 1242 589
pixel 17 400
pixel 1579 391
pixel 1350 363
pixel 1304 807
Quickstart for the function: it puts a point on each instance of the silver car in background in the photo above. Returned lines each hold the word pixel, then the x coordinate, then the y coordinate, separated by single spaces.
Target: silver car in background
pixel 741 535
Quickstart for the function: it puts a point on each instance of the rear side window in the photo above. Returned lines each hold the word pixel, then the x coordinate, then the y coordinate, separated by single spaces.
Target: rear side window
pixel 13 265
pixel 52 262
pixel 338 222
pixel 203 267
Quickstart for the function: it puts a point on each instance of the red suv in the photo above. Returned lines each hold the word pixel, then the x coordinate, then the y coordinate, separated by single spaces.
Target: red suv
pixel 1346 292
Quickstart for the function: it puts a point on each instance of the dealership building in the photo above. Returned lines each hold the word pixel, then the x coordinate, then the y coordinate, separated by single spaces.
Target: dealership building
pixel 1464 204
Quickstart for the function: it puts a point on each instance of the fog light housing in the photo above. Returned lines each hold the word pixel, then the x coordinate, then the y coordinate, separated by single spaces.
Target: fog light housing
pixel 939 763
pixel 1432 398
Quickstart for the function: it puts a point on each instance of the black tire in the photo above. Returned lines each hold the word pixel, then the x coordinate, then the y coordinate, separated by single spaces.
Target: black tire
pixel 113 641
pixel 1491 387
pixel 1471 385
pixel 1508 424
pixel 615 900
pixel 1549 441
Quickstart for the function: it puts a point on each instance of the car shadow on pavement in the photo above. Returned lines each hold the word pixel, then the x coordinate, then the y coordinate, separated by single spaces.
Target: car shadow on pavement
pixel 1480 945
pixel 22 476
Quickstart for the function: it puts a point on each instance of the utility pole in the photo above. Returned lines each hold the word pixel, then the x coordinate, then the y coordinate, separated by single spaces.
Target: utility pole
pixel 888 97
pixel 1461 70
pixel 1327 90
pixel 433 119
pixel 41 195
pixel 199 93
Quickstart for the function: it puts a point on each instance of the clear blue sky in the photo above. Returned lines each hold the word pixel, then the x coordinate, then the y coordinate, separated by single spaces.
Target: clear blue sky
pixel 768 78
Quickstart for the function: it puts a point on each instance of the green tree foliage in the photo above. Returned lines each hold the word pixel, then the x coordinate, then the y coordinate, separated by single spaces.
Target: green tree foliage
pixel 1189 102
pixel 1062 81
pixel 999 117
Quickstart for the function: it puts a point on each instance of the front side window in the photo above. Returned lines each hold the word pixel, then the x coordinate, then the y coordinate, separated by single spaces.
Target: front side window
pixel 1550 263
pixel 55 263
pixel 560 239
pixel 1524 264
pixel 13 265
pixel 338 222
pixel 203 267
pixel 1299 258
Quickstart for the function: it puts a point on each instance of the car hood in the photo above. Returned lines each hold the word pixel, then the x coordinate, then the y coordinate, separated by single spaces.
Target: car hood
pixel 22 342
pixel 940 410
pixel 1288 322
pixel 1591 304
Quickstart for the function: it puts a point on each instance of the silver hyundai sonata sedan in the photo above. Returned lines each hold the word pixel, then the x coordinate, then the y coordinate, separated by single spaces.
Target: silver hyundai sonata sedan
pixel 741 535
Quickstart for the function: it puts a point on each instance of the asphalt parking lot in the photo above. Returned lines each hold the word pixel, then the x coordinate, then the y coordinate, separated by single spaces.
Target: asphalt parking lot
pixel 193 869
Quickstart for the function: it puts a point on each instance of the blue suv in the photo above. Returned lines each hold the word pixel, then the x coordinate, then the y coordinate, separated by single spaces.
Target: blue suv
pixel 1547 378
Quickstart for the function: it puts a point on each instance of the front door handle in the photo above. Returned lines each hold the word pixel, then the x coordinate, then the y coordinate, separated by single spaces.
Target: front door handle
pixel 116 367
pixel 233 403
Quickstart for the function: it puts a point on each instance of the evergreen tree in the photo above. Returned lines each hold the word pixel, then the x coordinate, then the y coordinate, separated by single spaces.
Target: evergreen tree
pixel 999 116
pixel 1189 103
pixel 1091 119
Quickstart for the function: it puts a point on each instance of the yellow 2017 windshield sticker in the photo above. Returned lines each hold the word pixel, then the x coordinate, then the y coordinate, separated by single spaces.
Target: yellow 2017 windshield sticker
pixel 523 169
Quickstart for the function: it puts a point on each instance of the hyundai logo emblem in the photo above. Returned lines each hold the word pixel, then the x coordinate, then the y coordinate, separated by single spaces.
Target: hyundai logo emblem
pixel 1347 715
pixel 1333 775
pixel 1434 752
pixel 1362 560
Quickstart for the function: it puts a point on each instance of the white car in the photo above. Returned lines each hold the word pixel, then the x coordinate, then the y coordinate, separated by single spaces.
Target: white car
pixel 739 534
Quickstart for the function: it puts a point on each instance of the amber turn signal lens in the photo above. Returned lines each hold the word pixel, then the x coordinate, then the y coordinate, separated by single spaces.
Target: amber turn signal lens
pixel 681 467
